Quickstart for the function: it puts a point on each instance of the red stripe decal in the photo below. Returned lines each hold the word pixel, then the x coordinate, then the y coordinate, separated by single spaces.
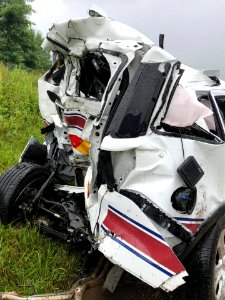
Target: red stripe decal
pixel 143 242
pixel 191 227
pixel 75 121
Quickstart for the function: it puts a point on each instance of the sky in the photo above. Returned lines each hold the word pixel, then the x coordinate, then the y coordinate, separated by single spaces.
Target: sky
pixel 194 29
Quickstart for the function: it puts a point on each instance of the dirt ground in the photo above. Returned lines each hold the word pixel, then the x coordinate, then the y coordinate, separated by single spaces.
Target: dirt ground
pixel 130 292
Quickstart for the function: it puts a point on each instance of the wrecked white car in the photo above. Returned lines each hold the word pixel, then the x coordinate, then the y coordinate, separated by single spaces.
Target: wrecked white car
pixel 145 136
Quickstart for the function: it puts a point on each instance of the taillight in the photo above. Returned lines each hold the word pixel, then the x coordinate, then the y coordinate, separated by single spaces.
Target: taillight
pixel 75 140
pixel 79 144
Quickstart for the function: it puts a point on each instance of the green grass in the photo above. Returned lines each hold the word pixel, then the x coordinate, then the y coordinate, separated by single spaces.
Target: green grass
pixel 29 263
pixel 19 113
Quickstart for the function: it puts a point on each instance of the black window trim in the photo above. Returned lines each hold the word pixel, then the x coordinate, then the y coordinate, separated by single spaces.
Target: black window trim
pixel 218 117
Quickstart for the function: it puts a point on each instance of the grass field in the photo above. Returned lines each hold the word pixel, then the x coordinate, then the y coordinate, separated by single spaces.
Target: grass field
pixel 19 113
pixel 29 263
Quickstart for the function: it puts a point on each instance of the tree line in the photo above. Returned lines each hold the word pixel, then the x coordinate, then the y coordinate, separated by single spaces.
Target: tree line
pixel 19 42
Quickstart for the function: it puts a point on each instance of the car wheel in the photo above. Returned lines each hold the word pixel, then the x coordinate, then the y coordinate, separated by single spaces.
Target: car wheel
pixel 18 186
pixel 206 266
pixel 219 273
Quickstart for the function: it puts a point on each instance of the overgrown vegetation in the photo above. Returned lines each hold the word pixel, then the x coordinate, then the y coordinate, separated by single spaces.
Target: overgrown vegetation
pixel 29 263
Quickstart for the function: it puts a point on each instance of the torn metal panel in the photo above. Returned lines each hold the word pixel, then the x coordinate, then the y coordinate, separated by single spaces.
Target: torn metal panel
pixel 161 170
pixel 72 35
pixel 130 239
pixel 46 106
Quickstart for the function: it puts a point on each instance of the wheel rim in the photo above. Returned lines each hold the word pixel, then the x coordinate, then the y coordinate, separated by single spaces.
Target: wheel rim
pixel 23 198
pixel 219 273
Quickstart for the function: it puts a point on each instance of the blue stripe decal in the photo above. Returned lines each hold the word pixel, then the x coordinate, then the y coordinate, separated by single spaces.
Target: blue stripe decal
pixel 138 254
pixel 189 219
pixel 136 223
pixel 75 127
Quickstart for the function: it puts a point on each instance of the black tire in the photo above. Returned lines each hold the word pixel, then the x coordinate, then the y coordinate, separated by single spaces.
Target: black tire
pixel 13 184
pixel 203 282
